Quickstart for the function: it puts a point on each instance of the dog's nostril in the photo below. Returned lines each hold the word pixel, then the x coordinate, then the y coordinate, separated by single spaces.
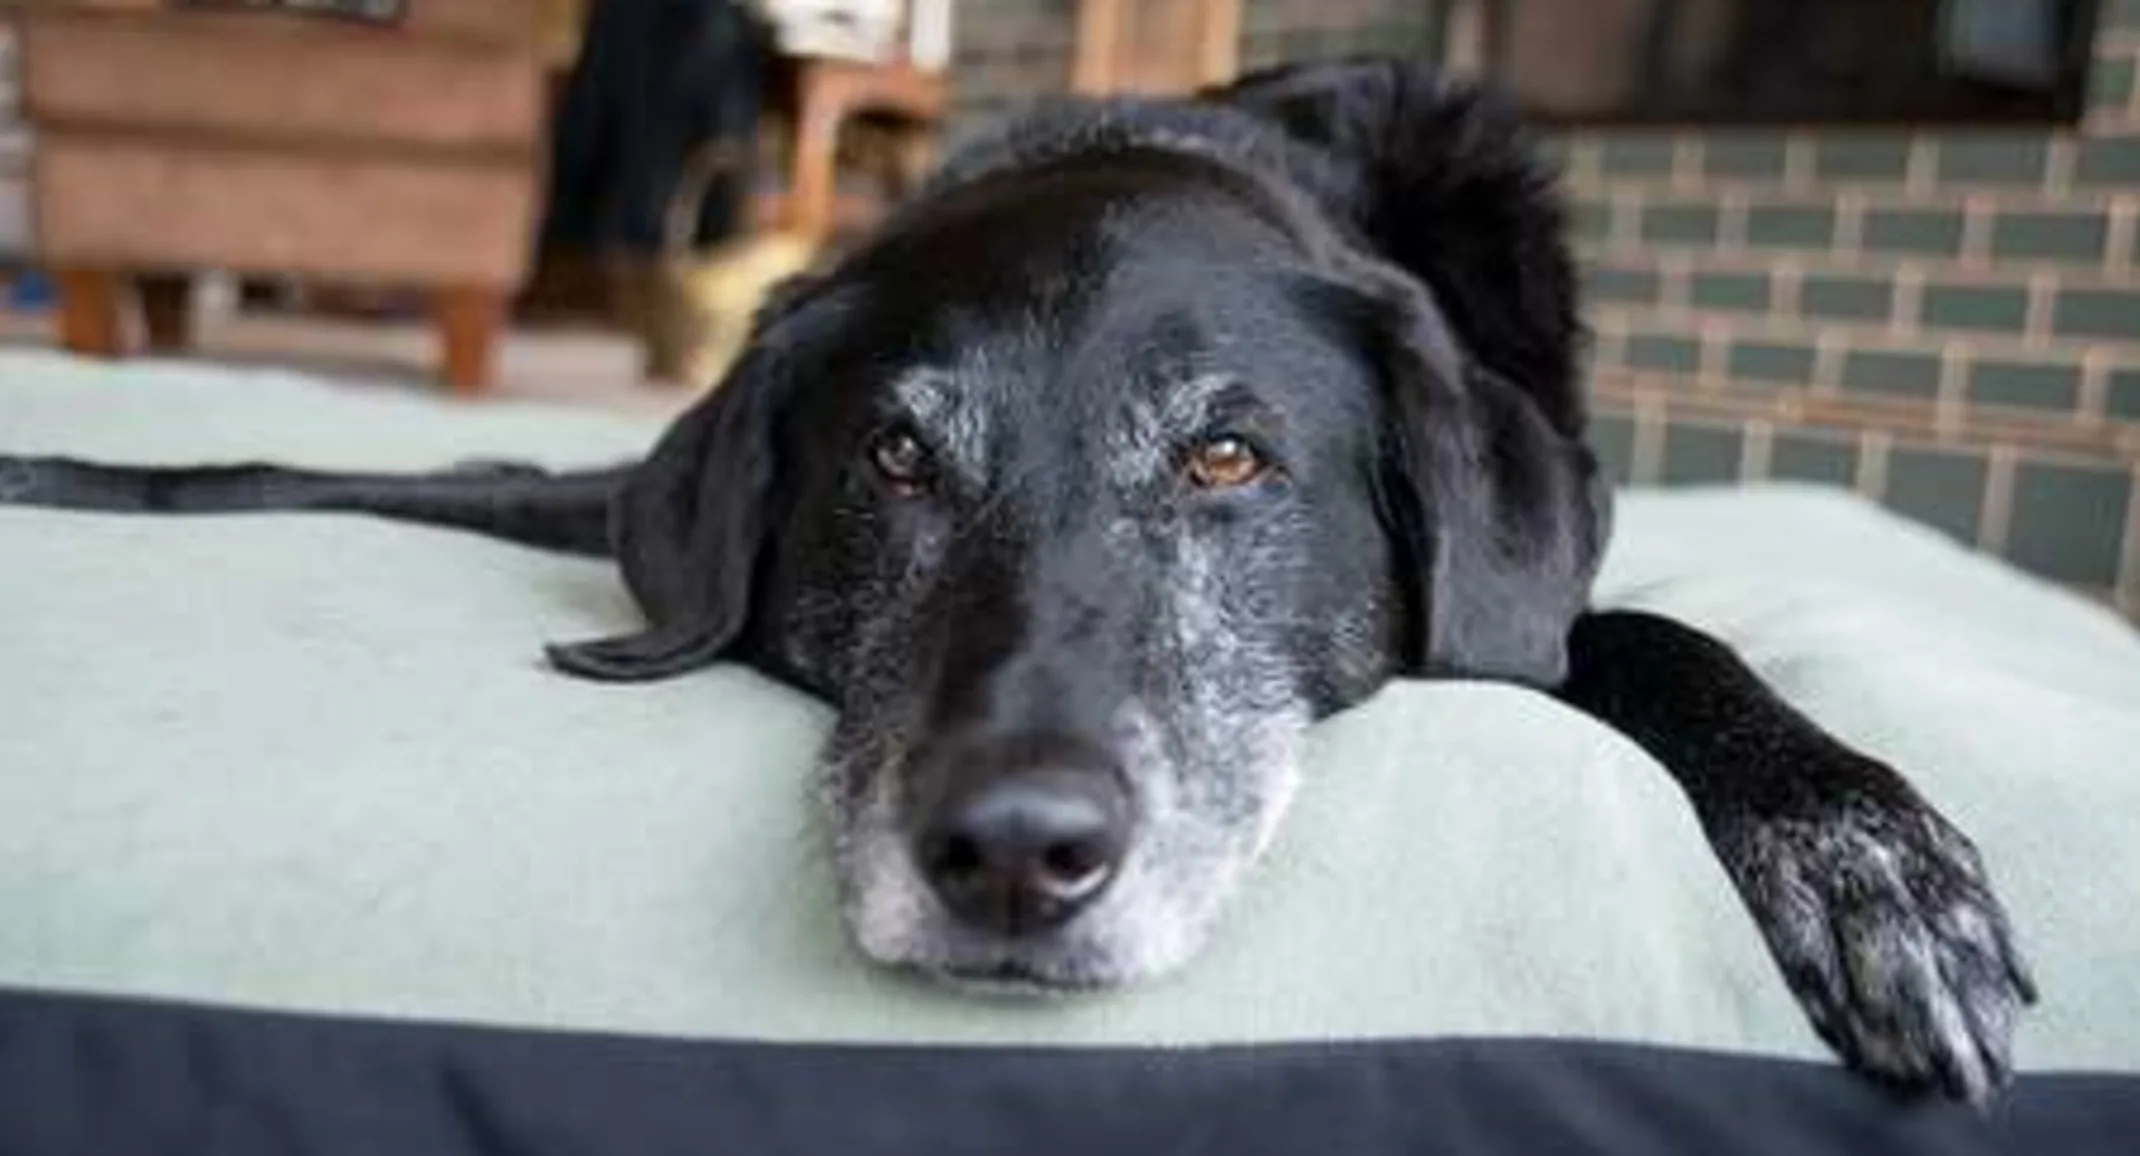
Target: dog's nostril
pixel 955 856
pixel 1072 863
pixel 1024 852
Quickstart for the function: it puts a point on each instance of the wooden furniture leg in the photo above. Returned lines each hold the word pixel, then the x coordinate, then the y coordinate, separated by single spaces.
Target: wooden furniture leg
pixel 166 310
pixel 470 320
pixel 821 104
pixel 1154 46
pixel 1094 65
pixel 89 311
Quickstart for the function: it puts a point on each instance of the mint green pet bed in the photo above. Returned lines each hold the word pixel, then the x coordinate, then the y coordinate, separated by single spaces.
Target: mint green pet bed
pixel 302 848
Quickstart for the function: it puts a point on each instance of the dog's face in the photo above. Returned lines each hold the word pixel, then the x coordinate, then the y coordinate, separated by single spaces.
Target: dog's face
pixel 1080 491
pixel 1084 532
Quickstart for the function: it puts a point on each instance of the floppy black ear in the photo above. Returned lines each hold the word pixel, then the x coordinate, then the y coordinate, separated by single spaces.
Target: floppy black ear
pixel 1440 179
pixel 1498 518
pixel 689 526
pixel 1490 493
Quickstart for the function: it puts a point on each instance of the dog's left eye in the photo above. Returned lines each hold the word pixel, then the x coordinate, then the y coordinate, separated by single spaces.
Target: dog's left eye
pixel 1225 462
pixel 900 459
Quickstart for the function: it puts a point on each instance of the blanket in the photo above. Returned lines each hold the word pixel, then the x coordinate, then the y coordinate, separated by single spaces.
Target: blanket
pixel 300 839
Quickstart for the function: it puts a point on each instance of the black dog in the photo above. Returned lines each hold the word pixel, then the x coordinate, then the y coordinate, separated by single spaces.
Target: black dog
pixel 1152 431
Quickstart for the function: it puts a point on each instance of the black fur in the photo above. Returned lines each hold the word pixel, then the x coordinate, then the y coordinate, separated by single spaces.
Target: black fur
pixel 1356 271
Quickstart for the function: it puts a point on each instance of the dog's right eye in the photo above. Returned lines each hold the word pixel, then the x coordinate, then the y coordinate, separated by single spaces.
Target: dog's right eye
pixel 900 459
pixel 1225 462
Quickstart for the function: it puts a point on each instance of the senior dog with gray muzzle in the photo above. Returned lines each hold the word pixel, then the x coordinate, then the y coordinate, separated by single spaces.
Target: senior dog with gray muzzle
pixel 1147 434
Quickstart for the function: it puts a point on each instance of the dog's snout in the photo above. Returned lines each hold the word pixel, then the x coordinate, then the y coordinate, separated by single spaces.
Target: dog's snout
pixel 1024 851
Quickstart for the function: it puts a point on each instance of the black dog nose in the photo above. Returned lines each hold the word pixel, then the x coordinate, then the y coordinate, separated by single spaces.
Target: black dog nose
pixel 1023 852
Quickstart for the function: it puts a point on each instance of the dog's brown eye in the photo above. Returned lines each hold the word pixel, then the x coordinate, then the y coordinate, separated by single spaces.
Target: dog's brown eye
pixel 901 459
pixel 1225 462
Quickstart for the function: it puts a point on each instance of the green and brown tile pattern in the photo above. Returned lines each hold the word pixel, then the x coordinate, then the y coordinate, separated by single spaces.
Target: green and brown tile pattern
pixel 1947 321
pixel 2068 512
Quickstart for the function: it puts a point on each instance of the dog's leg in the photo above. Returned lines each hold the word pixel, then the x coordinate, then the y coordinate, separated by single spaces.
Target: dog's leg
pixel 1878 910
pixel 566 512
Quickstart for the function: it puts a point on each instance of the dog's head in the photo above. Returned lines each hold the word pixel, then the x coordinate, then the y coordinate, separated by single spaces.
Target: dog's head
pixel 1149 434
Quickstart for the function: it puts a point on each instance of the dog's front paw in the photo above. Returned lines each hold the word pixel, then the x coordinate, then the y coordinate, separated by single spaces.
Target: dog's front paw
pixel 1887 929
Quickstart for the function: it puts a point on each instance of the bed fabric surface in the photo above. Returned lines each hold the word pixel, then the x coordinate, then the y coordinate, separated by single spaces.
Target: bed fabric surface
pixel 302 783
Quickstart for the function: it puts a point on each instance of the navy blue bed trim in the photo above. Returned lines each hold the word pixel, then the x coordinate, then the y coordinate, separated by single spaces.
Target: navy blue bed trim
pixel 111 1077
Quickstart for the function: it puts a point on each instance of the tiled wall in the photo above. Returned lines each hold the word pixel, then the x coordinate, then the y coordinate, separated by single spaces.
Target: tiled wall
pixel 1947 321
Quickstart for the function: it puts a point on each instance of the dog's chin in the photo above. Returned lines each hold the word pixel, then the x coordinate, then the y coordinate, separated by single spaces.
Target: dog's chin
pixel 1080 958
pixel 1011 978
pixel 1019 971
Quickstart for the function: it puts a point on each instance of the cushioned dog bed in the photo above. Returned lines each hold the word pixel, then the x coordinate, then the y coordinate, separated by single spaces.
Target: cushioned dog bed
pixel 303 849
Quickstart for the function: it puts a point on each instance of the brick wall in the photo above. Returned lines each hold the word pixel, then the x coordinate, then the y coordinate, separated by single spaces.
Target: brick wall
pixel 1949 321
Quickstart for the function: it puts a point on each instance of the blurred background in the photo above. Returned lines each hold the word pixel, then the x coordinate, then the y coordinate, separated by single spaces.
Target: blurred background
pixel 1889 245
